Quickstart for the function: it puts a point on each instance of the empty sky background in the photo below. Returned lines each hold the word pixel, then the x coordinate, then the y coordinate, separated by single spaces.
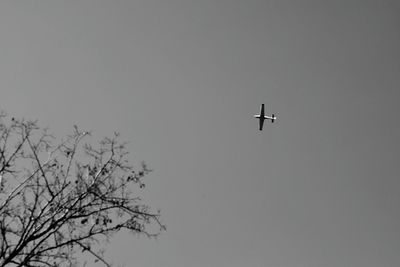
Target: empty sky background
pixel 181 79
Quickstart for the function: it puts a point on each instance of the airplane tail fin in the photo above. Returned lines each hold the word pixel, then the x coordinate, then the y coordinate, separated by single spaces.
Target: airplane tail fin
pixel 273 118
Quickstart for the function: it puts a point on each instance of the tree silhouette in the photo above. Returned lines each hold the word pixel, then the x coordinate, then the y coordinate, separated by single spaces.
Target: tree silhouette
pixel 58 202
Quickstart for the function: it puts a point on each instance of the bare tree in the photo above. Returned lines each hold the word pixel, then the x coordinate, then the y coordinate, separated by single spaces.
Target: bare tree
pixel 60 202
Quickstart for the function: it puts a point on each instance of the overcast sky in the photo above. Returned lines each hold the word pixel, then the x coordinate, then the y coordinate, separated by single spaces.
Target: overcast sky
pixel 181 79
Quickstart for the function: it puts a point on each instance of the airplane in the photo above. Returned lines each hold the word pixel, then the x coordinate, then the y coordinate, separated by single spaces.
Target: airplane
pixel 262 117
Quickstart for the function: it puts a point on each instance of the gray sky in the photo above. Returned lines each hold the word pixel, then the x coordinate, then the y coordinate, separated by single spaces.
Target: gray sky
pixel 181 79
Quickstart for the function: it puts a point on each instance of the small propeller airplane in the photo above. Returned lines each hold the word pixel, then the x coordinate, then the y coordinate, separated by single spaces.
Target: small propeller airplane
pixel 261 117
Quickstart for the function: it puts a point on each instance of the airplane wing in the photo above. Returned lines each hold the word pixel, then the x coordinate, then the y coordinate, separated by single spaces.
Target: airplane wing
pixel 262 110
pixel 261 123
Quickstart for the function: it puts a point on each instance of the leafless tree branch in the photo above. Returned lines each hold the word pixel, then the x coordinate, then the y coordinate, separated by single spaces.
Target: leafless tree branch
pixel 58 202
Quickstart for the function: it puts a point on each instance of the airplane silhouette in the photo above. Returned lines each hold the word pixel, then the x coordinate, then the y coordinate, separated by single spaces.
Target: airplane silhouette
pixel 261 117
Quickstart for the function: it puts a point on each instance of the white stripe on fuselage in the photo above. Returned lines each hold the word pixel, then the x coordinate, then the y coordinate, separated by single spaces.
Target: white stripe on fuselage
pixel 265 117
